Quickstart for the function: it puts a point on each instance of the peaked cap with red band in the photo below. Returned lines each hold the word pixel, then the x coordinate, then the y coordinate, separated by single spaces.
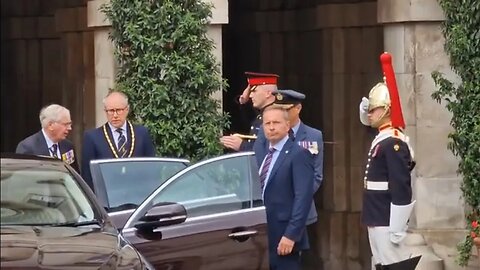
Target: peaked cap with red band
pixel 396 108
pixel 254 78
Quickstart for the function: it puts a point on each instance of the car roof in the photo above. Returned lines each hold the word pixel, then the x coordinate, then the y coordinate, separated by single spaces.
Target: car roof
pixel 23 161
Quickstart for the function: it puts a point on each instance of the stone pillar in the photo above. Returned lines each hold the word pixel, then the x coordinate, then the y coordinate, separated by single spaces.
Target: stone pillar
pixel 412 34
pixel 105 66
pixel 104 58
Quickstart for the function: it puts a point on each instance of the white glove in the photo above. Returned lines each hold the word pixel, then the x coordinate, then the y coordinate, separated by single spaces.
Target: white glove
pixel 397 237
pixel 363 108
pixel 399 215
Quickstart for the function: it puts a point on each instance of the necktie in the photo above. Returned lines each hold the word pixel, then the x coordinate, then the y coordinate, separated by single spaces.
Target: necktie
pixel 291 134
pixel 121 143
pixel 53 150
pixel 266 165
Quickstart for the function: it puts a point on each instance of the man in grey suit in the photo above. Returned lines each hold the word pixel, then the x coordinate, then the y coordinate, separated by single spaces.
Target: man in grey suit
pixel 51 139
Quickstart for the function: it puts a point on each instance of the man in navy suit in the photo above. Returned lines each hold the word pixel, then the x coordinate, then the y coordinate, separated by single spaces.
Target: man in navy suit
pixel 286 177
pixel 304 135
pixel 118 138
pixel 307 137
pixel 51 139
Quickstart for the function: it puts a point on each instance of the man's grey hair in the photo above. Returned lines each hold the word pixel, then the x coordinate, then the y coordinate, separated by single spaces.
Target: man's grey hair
pixel 116 93
pixel 52 113
pixel 269 87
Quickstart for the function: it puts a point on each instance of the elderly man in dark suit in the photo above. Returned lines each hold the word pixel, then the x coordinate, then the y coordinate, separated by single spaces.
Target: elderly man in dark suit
pixel 51 139
pixel 118 138
pixel 286 177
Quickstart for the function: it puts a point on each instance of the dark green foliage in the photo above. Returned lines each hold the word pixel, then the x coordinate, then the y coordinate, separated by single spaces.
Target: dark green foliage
pixel 462 33
pixel 168 70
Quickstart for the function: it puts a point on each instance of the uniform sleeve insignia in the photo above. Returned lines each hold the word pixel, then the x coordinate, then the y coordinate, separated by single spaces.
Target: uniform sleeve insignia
pixel 396 147
pixel 68 157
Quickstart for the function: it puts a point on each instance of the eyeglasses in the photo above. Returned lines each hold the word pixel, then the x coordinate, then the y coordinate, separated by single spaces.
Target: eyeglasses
pixel 113 111
pixel 68 124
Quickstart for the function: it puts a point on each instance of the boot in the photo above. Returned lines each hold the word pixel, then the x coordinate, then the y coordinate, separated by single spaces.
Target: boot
pixel 409 264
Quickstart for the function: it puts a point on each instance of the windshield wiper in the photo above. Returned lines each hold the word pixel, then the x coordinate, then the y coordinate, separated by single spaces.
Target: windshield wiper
pixel 78 223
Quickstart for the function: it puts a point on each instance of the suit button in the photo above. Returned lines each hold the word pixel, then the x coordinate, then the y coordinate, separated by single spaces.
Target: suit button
pixel 368 165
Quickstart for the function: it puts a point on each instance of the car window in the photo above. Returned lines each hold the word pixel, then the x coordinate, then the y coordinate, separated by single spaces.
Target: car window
pixel 219 186
pixel 34 196
pixel 129 183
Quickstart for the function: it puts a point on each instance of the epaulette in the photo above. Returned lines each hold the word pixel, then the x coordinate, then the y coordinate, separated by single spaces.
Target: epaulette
pixel 398 134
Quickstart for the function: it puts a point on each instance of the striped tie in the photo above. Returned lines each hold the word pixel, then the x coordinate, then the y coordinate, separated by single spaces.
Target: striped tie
pixel 121 143
pixel 266 165
pixel 53 150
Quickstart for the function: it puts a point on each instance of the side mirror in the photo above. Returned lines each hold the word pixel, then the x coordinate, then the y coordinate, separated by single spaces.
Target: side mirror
pixel 162 214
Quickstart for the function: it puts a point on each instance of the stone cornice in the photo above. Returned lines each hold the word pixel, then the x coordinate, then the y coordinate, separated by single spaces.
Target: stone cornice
pixel 394 11
pixel 96 18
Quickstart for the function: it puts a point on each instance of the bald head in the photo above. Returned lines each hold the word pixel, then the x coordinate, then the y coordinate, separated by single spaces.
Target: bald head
pixel 116 108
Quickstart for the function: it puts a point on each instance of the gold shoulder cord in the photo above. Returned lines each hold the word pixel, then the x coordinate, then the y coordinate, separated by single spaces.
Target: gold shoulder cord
pixel 114 149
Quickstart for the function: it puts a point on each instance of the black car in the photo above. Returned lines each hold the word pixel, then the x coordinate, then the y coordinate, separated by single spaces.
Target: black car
pixel 50 219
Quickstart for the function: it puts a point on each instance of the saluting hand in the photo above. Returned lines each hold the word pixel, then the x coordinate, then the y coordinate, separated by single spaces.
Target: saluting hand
pixel 285 246
pixel 245 95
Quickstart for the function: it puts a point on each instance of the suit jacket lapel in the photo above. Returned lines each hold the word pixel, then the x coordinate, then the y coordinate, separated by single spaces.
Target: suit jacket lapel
pixel 283 153
pixel 41 144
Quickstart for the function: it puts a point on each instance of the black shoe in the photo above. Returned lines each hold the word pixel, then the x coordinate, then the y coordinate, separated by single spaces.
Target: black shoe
pixel 409 264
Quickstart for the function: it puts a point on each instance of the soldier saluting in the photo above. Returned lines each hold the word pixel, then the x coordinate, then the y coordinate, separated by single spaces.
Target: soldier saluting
pixel 260 90
pixel 387 195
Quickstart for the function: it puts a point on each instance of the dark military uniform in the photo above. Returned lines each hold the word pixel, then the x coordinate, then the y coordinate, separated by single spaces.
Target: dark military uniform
pixel 387 177
pixel 387 195
pixel 247 145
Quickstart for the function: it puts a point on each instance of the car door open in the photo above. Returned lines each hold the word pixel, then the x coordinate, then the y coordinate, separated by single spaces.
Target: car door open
pixel 121 185
pixel 225 225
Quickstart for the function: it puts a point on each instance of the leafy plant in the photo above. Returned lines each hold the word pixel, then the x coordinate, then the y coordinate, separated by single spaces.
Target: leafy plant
pixel 168 71
pixel 461 29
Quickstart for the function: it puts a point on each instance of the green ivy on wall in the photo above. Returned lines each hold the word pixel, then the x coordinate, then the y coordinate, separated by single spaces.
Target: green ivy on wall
pixel 168 71
pixel 462 43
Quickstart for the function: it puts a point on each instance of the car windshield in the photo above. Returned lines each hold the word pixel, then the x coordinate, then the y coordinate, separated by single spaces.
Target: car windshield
pixel 41 195
pixel 128 183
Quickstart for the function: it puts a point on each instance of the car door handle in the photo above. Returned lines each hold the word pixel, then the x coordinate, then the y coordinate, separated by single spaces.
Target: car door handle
pixel 242 234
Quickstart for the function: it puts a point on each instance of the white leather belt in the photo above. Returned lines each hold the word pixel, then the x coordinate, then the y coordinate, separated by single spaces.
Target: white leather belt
pixel 373 185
